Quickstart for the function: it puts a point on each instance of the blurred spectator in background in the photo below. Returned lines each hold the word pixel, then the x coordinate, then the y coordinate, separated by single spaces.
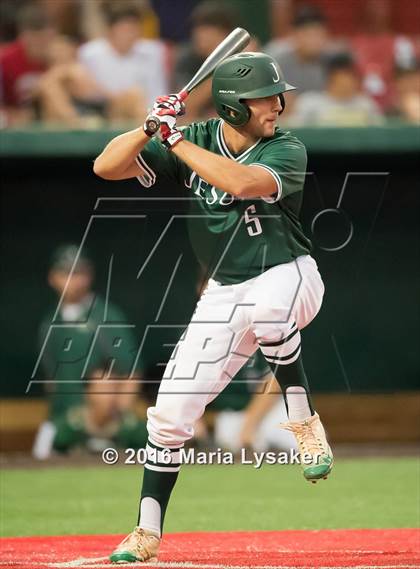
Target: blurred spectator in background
pixel 300 56
pixel 378 50
pixel 406 105
pixel 342 104
pixel 211 22
pixel 93 23
pixel 22 63
pixel 87 355
pixel 67 94
pixel 65 16
pixel 132 71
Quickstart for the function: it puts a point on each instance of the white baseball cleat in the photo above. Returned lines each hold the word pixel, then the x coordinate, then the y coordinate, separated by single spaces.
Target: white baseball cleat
pixel 312 442
pixel 139 545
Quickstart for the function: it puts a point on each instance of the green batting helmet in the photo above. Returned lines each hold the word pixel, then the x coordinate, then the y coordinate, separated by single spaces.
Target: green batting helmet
pixel 245 76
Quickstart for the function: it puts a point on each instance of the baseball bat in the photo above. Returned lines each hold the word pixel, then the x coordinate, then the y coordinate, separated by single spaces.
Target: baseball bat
pixel 233 43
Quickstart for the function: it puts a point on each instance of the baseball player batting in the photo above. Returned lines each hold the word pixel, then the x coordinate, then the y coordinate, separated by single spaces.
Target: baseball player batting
pixel 247 177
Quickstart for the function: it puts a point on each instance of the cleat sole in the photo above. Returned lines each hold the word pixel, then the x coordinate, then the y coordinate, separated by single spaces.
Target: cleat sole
pixel 315 481
pixel 125 561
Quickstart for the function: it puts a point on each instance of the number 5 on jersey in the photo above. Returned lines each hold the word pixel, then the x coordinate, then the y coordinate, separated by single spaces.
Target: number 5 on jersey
pixel 252 222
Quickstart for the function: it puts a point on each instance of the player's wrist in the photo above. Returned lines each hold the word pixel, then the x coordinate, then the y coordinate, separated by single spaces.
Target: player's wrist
pixel 174 138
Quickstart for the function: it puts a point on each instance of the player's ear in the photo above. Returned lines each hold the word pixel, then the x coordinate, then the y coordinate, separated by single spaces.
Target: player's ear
pixel 282 103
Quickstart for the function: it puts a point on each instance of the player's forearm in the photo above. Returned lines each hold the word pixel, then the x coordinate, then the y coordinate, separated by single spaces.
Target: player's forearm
pixel 223 173
pixel 120 154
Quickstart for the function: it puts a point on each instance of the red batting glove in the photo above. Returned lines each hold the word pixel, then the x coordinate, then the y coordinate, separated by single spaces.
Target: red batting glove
pixel 169 134
pixel 171 101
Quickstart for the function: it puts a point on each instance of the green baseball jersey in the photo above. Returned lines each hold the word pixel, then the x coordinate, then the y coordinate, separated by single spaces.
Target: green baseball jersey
pixel 238 239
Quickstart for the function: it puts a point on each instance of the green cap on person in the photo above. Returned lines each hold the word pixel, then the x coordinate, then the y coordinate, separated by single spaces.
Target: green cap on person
pixel 65 256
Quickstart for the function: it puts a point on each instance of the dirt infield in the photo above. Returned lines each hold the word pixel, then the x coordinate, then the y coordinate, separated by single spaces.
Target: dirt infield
pixel 363 549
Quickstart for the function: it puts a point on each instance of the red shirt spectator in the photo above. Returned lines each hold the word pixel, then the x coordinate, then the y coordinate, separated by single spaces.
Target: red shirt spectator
pixel 19 74
pixel 23 61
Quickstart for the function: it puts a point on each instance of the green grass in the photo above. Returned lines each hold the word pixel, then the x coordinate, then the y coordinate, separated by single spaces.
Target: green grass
pixel 361 493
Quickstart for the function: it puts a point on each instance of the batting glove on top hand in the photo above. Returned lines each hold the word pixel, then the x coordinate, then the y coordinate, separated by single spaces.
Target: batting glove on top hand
pixel 166 118
pixel 171 102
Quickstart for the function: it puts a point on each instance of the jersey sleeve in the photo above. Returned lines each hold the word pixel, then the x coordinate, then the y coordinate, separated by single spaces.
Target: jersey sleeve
pixel 156 161
pixel 286 162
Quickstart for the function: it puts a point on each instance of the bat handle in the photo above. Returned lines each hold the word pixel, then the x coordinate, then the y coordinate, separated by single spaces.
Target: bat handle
pixel 152 125
pixel 183 94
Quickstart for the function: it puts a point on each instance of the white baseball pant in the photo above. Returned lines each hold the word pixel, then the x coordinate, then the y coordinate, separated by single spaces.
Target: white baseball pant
pixel 231 322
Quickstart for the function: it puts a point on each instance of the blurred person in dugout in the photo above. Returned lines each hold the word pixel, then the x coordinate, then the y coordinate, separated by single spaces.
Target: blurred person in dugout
pixel 131 70
pixel 87 357
pixel 248 412
pixel 22 63
pixel 342 104
pixel 211 22
pixel 301 55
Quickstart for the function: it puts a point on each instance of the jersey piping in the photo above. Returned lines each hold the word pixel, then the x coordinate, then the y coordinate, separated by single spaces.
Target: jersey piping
pixel 274 197
pixel 149 177
pixel 224 148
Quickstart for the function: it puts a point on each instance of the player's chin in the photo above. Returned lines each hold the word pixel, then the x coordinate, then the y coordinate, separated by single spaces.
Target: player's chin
pixel 269 128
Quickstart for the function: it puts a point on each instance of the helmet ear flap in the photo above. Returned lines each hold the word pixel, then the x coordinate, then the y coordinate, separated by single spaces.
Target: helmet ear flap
pixel 236 116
